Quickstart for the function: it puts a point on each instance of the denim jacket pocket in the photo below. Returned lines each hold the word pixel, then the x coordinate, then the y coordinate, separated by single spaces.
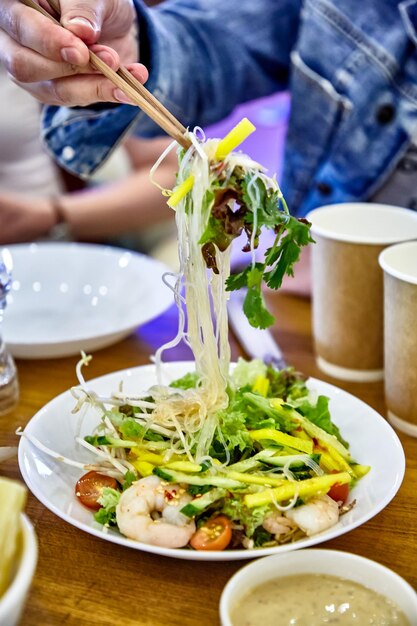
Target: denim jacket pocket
pixel 316 112
pixel 408 12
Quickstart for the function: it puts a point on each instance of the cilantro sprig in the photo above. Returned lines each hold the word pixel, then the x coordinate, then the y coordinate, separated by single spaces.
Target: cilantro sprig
pixel 279 261
pixel 253 196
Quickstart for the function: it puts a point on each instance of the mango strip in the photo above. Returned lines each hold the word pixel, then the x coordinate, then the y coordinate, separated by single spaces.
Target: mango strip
pixel 341 464
pixel 252 479
pixel 181 191
pixel 261 385
pixel 144 467
pixel 282 439
pixel 149 457
pixel 302 489
pixel 301 434
pixel 326 461
pixel 183 466
pixel 235 137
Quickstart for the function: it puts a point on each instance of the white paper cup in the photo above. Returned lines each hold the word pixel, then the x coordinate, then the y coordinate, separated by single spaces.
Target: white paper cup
pixel 13 600
pixel 400 334
pixel 347 284
pixel 332 562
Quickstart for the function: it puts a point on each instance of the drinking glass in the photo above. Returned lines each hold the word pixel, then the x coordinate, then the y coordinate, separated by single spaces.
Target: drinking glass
pixel 9 386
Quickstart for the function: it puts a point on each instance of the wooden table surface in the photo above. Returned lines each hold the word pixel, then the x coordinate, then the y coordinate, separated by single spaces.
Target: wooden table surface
pixel 84 581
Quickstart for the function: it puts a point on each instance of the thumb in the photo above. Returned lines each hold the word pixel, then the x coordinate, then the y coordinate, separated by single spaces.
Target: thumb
pixel 83 18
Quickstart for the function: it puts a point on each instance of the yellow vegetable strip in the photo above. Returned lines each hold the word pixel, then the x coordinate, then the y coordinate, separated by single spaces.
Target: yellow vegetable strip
pixel 144 467
pixel 183 466
pixel 252 479
pixel 282 439
pixel 150 457
pixel 302 489
pixel 326 461
pixel 301 434
pixel 320 434
pixel 276 402
pixel 341 464
pixel 361 470
pixel 261 385
pixel 181 191
pixel 235 137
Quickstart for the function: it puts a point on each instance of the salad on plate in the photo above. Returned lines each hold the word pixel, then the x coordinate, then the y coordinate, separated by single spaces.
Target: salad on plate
pixel 277 468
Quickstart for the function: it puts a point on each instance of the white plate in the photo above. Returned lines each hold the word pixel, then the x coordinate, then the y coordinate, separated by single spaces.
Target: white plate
pixel 372 440
pixel 68 297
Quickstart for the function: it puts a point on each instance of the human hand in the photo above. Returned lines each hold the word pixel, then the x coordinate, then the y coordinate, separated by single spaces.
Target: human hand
pixel 24 219
pixel 51 61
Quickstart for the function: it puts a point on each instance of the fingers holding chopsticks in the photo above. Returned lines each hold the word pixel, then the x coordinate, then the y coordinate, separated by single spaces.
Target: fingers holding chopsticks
pixel 32 61
pixel 80 90
pixel 84 19
pixel 108 19
pixel 38 52
pixel 34 32
pixel 27 66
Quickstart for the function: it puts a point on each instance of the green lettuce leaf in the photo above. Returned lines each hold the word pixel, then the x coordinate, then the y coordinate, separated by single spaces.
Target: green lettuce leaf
pixel 233 429
pixel 286 384
pixel 109 500
pixel 188 381
pixel 246 372
pixel 319 414
pixel 130 429
pixel 283 416
pixel 251 519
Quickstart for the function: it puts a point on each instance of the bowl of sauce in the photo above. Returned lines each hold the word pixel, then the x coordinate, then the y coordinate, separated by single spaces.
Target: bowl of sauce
pixel 315 587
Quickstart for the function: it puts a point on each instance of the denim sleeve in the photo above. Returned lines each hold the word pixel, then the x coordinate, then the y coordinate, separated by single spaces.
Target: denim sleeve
pixel 204 56
pixel 207 56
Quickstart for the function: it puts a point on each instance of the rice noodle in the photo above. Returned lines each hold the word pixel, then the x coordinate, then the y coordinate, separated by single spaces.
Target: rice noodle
pixel 63 459
pixel 286 507
pixel 314 466
pixel 190 416
pixel 167 150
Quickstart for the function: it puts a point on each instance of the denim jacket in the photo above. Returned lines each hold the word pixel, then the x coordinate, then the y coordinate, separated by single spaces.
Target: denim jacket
pixel 350 65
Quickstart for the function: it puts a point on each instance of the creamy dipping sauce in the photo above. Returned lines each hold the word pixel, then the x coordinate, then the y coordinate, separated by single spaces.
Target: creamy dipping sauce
pixel 315 599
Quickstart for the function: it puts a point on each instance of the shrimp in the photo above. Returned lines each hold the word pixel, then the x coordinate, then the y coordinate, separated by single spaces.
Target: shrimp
pixel 316 515
pixel 276 524
pixel 149 511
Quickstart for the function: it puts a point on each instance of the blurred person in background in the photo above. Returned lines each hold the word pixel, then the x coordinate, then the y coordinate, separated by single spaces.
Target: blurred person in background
pixel 38 200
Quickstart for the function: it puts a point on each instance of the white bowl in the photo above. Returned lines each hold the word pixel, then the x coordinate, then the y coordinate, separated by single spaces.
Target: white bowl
pixel 68 297
pixel 13 601
pixel 331 562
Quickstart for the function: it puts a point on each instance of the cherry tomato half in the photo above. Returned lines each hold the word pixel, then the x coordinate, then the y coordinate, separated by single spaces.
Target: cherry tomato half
pixel 215 534
pixel 89 487
pixel 339 493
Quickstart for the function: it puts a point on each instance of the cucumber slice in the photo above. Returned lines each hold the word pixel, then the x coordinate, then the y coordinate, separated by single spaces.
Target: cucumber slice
pixel 198 505
pixel 172 476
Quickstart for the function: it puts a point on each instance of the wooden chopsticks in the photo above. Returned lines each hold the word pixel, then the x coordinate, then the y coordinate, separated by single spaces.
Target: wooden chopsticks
pixel 125 81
